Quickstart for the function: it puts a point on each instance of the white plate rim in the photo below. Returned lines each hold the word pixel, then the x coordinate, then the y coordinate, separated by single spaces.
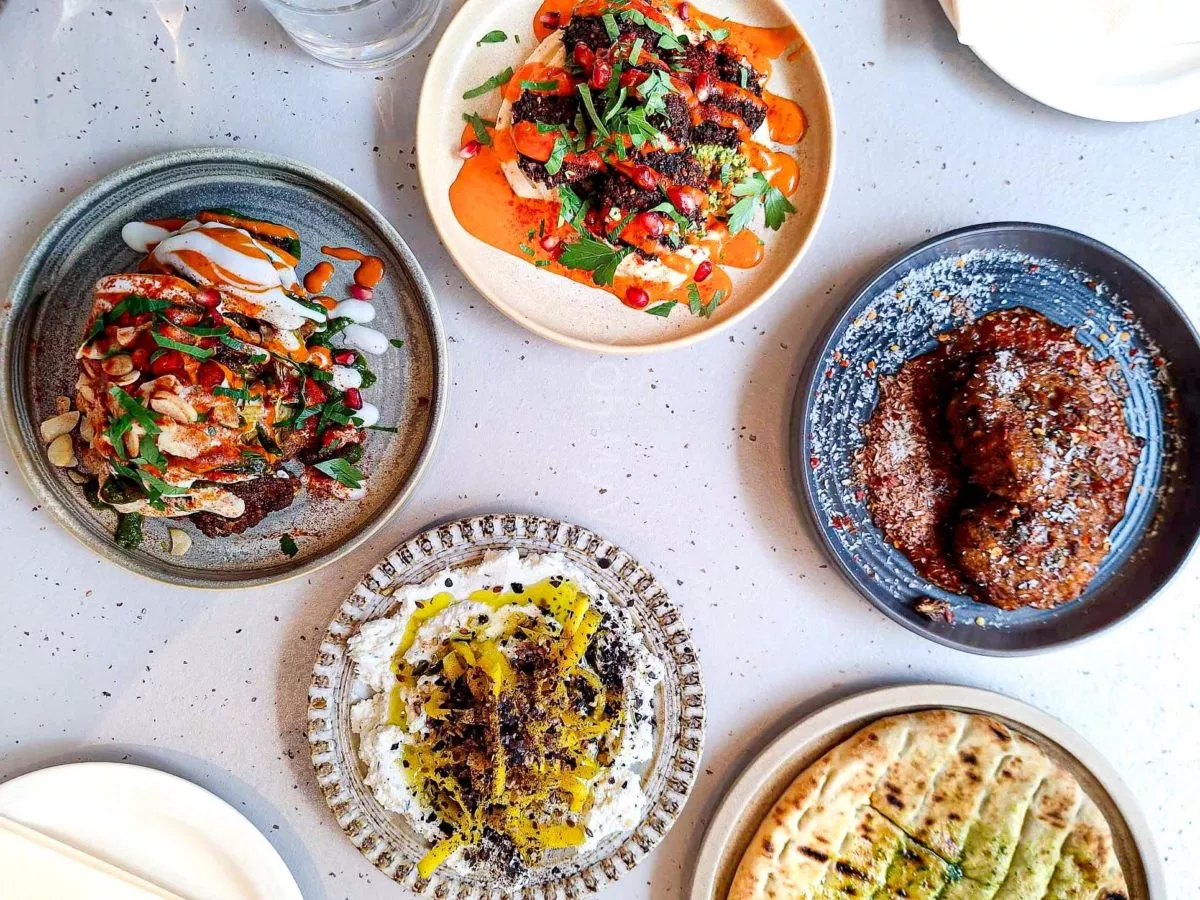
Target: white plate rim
pixel 866 706
pixel 166 788
pixel 426 126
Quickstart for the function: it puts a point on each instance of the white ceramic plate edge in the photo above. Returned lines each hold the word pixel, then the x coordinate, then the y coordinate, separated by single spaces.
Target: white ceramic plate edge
pixel 443 217
pixel 226 825
pixel 867 706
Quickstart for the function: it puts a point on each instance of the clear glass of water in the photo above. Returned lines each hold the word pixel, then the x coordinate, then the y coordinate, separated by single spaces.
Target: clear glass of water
pixel 356 34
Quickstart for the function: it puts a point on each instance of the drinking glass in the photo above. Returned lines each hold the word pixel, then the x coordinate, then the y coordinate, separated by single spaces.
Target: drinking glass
pixel 363 34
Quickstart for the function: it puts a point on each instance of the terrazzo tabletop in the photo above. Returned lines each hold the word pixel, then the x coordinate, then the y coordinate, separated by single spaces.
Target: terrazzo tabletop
pixel 681 458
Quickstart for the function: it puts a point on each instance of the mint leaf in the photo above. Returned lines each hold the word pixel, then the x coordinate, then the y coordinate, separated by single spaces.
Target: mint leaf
pixel 479 127
pixel 342 472
pixel 492 37
pixel 661 309
pixel 694 301
pixel 490 85
pixel 164 341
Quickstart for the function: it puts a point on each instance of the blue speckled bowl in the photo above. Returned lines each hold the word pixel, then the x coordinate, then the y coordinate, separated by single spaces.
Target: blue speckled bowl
pixel 1116 307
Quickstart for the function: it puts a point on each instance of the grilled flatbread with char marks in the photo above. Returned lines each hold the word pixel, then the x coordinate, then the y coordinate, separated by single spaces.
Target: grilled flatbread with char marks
pixel 936 804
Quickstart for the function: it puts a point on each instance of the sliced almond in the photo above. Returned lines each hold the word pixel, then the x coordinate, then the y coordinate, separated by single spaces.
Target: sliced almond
pixel 127 335
pixel 62 405
pixel 77 477
pixel 116 366
pixel 62 452
pixel 133 441
pixel 128 378
pixel 91 351
pixel 86 431
pixel 85 390
pixel 59 425
pixel 175 407
pixel 181 541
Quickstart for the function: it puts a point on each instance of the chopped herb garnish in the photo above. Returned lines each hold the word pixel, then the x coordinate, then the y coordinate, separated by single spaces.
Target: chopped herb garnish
pixel 594 256
pixel 717 34
pixel 396 342
pixel 526 249
pixel 569 204
pixel 129 531
pixel 490 85
pixel 492 37
pixel 777 208
pixel 241 395
pixel 539 85
pixel 479 127
pixel 191 350
pixel 610 26
pixel 136 411
pixel 341 471
pixel 541 263
pixel 390 429
pixel 134 304
pixel 590 106
pixel 695 304
pixel 558 152
pixel 662 309
pixel 635 51
pixel 287 544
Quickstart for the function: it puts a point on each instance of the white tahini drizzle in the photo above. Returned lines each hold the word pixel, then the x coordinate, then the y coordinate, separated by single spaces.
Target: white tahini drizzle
pixel 345 377
pixel 360 337
pixel 369 414
pixel 355 310
pixel 141 236
pixel 252 277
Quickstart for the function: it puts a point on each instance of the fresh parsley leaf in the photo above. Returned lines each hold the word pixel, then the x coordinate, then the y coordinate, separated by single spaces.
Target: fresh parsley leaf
pixel 287 544
pixel 593 256
pixel 753 185
pixel 654 91
pixel 492 37
pixel 479 127
pixel 569 204
pixel 342 472
pixel 163 341
pixel 136 411
pixel 610 27
pixel 554 162
pixel 777 208
pixel 661 309
pixel 490 85
pixel 741 212
pixel 590 106
pixel 717 34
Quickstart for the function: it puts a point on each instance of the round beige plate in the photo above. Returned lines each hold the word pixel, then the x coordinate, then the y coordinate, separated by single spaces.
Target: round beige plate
pixel 757 788
pixel 385 839
pixel 556 307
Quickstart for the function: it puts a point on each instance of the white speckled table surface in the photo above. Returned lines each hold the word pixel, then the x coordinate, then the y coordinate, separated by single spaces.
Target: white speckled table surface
pixel 681 458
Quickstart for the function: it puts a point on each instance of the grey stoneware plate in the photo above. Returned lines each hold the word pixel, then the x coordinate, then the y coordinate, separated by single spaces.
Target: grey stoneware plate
pixel 48 306
pixel 679 708
pixel 1117 308
pixel 753 794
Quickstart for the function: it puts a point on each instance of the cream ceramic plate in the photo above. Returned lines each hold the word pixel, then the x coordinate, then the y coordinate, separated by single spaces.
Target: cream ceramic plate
pixel 152 825
pixel 556 307
pixel 679 708
pixel 755 791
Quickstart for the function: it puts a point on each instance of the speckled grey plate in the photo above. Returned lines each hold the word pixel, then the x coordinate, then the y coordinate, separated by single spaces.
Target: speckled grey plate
pixel 384 838
pixel 48 306
pixel 1117 309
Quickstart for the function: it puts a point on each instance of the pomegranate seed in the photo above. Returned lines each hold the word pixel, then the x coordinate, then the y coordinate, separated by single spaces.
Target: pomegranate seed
pixel 592 220
pixel 584 56
pixel 140 357
pixel 632 78
pixel 702 87
pixel 601 74
pixel 345 357
pixel 470 149
pixel 550 20
pixel 558 251
pixel 549 242
pixel 703 270
pixel 209 298
pixel 361 292
pixel 637 298
pixel 683 199
pixel 644 177
pixel 685 11
pixel 353 398
pixel 652 223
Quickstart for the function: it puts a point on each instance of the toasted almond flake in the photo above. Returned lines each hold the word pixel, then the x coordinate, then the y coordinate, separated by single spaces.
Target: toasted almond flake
pixel 56 426
pixel 86 431
pixel 116 366
pixel 127 335
pixel 62 405
pixel 175 407
pixel 128 378
pixel 77 477
pixel 62 452
pixel 181 541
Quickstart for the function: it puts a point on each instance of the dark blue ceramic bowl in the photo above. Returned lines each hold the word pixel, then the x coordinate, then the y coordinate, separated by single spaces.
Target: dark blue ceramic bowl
pixel 1117 309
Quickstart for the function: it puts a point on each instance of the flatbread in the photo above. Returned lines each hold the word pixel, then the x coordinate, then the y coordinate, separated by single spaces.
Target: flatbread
pixel 934 804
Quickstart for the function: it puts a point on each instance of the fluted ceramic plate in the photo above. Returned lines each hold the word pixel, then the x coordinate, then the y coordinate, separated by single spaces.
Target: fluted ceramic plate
pixel 384 838
pixel 51 298
pixel 554 306
pixel 1117 309
pixel 755 791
